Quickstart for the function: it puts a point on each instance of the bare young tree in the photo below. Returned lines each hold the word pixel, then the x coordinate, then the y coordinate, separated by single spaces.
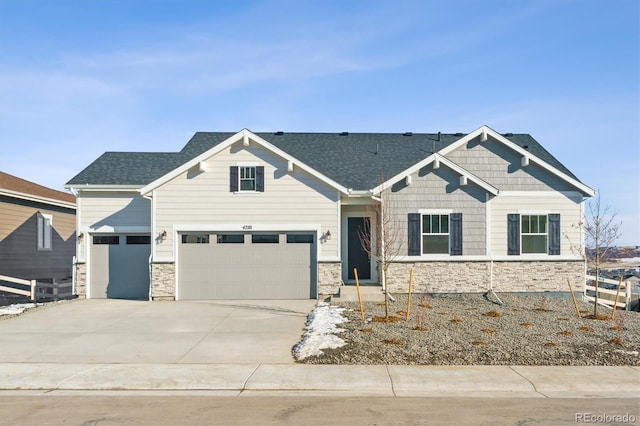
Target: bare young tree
pixel 381 239
pixel 601 230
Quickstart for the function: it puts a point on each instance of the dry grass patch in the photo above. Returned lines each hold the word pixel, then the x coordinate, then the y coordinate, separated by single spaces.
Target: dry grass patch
pixel 455 320
pixel 565 333
pixel 488 330
pixel 493 314
pixel 598 317
pixel 442 313
pixel 542 310
pixel 616 341
pixel 479 343
pixel 563 319
pixel 418 328
pixel 526 324
pixel 425 305
pixel 366 330
pixel 616 328
pixel 585 328
pixel 393 341
pixel 550 345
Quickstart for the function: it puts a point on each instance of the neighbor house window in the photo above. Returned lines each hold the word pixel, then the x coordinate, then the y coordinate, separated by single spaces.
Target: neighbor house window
pixel 435 233
pixel 44 231
pixel 534 233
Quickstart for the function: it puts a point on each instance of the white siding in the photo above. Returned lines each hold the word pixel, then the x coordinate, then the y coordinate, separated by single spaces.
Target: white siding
pixel 440 189
pixel 542 203
pixel 113 209
pixel 500 166
pixel 204 198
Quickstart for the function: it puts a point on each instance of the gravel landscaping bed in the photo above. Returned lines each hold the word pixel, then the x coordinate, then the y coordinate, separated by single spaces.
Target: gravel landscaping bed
pixel 471 330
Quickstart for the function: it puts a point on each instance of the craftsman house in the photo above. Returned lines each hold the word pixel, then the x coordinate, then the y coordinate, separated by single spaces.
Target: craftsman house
pixel 281 215
pixel 37 230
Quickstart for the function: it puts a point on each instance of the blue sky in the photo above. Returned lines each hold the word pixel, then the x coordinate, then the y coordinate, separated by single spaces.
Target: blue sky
pixel 78 78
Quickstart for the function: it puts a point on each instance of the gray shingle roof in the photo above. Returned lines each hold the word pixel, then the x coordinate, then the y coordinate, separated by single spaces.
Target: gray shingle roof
pixel 354 160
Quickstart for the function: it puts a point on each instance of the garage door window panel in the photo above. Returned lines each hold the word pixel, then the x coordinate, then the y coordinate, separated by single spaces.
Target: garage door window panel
pixel 230 238
pixel 106 239
pixel 299 238
pixel 195 239
pixel 265 238
pixel 138 239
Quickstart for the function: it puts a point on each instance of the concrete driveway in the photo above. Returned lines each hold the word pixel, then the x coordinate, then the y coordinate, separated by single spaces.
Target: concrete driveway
pixel 125 331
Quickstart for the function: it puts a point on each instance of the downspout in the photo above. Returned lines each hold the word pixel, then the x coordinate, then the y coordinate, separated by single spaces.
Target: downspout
pixel 74 262
pixel 490 291
pixel 153 240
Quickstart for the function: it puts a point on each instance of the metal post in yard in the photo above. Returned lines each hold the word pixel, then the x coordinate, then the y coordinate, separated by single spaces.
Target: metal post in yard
pixel 33 291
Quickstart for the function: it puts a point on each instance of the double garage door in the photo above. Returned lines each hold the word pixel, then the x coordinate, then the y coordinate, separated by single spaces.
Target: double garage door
pixel 278 265
pixel 120 266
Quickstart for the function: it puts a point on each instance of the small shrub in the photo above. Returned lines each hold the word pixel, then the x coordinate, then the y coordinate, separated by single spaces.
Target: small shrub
pixel 488 330
pixel 419 328
pixel 393 341
pixel 493 314
pixel 616 328
pixel 585 328
pixel 565 333
pixel 455 320
pixel 425 305
pixel 550 345
pixel 563 319
pixel 598 317
pixel 479 343
pixel 527 324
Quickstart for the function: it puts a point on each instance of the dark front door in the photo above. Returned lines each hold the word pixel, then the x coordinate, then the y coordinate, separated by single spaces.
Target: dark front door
pixel 358 227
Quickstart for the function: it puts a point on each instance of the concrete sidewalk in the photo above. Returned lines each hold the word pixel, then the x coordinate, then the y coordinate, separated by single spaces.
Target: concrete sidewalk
pixel 347 380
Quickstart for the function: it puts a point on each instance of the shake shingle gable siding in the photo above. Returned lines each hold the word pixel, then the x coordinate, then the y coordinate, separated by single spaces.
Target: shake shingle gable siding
pixel 357 160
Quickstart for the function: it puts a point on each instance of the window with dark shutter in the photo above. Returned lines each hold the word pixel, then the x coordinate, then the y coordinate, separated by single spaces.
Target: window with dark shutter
pixel 513 234
pixel 554 234
pixel 455 229
pixel 233 178
pixel 260 178
pixel 414 234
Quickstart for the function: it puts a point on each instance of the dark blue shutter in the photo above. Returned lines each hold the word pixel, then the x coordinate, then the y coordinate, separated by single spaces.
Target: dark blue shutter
pixel 414 234
pixel 455 229
pixel 233 178
pixel 513 234
pixel 554 234
pixel 260 178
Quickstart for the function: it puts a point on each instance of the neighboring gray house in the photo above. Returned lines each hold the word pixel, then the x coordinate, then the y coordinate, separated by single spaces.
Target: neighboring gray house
pixel 37 230
pixel 276 215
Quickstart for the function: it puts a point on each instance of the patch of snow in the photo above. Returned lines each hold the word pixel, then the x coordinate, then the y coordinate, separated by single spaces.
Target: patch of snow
pixel 16 309
pixel 321 331
pixel 629 259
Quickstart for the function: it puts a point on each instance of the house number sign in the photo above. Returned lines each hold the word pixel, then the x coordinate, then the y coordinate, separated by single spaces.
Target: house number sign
pixel 247 227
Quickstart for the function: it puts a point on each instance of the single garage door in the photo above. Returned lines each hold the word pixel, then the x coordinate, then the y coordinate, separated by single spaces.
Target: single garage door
pixel 247 266
pixel 120 266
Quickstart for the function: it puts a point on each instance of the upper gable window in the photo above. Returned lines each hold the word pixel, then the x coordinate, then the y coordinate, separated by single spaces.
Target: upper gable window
pixel 246 179
pixel 44 231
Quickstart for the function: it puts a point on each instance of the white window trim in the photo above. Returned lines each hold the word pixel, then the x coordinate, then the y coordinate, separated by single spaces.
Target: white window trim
pixel 45 232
